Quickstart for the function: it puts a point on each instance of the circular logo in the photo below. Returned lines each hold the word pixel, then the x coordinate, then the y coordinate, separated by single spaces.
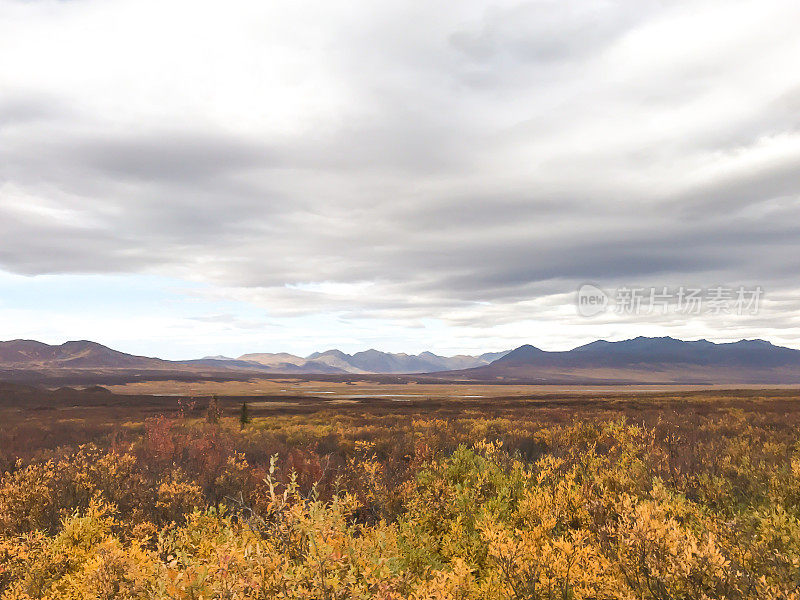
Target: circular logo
pixel 591 300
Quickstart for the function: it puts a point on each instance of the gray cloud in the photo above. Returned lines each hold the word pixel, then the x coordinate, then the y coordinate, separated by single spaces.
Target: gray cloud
pixel 548 31
pixel 494 154
pixel 169 156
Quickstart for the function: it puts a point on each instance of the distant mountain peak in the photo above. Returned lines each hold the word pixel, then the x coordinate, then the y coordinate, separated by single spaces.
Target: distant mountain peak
pixel 650 360
pixel 332 352
pixel 754 342
pixel 521 354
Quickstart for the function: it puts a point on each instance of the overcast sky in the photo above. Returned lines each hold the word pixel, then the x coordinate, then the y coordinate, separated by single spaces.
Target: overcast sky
pixel 186 178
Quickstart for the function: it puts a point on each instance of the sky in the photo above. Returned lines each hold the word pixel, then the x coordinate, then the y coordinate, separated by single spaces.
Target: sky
pixel 182 179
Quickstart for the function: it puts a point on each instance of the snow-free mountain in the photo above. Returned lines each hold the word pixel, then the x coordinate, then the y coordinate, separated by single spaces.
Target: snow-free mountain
pixel 74 354
pixel 638 360
pixel 647 360
pixel 30 354
pixel 369 361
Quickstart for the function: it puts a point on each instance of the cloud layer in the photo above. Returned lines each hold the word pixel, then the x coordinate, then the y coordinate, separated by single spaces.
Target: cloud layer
pixel 472 163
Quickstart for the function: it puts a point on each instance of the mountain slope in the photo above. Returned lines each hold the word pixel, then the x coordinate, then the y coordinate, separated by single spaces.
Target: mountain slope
pixel 273 358
pixel 75 354
pixel 647 360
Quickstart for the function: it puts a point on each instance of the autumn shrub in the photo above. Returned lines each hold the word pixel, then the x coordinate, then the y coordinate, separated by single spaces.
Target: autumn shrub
pixel 390 508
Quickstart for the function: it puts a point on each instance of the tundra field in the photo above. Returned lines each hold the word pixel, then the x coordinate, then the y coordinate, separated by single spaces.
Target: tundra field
pixel 382 488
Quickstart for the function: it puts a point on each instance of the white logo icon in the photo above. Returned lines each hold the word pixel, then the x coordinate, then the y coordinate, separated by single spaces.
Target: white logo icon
pixel 591 300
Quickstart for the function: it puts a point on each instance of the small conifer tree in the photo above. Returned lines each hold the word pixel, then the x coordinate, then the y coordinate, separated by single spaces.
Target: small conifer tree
pixel 244 415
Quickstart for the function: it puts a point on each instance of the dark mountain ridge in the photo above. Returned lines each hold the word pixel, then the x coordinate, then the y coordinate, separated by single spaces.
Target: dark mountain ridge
pixel 644 359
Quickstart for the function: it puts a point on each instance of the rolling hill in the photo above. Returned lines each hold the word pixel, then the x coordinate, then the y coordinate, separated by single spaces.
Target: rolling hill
pixel 75 354
pixel 646 360
pixel 33 355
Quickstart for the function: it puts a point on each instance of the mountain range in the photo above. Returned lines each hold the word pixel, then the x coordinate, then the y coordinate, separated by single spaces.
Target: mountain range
pixel 30 354
pixel 639 360
pixel 370 361
pixel 646 360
